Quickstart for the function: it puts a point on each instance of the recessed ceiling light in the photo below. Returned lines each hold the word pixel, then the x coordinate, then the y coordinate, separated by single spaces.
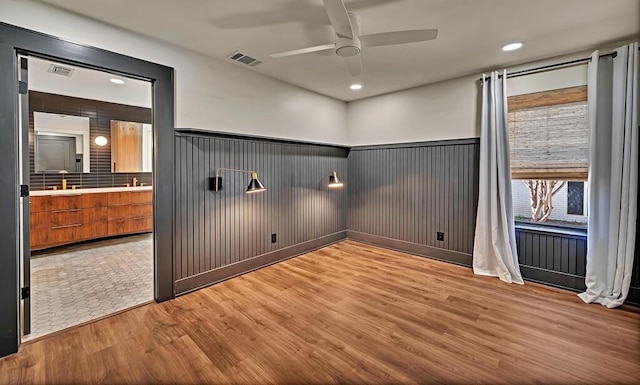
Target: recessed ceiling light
pixel 512 46
pixel 116 81
pixel 356 87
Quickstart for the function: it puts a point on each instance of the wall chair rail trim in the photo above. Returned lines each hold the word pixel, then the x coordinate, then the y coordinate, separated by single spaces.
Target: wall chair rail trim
pixel 191 132
pixel 448 142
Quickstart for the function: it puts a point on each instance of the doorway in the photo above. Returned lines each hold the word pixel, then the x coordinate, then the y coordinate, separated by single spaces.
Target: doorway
pixel 90 250
pixel 14 298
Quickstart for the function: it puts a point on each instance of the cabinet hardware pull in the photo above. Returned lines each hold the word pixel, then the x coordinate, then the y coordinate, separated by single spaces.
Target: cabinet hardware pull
pixel 62 227
pixel 66 211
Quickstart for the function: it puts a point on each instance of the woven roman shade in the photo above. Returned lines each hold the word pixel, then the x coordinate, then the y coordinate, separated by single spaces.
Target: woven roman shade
pixel 548 135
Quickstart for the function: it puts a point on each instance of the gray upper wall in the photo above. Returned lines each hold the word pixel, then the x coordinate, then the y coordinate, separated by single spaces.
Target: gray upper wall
pixel 441 111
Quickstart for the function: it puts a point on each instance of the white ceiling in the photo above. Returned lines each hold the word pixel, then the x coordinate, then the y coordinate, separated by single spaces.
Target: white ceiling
pixel 88 84
pixel 469 41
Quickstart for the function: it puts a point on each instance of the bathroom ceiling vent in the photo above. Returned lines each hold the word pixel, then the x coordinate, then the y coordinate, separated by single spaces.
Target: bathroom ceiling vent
pixel 60 70
pixel 244 59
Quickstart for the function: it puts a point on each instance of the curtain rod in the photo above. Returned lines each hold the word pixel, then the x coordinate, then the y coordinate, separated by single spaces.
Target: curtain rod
pixel 549 67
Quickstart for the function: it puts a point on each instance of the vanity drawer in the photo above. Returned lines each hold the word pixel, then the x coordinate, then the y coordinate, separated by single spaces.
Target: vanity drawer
pixel 130 197
pixel 55 203
pixel 67 202
pixel 64 234
pixel 130 211
pixel 130 225
pixel 67 217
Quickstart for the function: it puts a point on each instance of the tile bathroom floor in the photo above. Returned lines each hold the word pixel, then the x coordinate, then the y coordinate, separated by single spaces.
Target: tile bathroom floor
pixel 75 284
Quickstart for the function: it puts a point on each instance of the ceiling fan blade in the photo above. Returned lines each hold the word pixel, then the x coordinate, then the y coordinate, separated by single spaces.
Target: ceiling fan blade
pixel 398 37
pixel 303 50
pixel 339 17
pixel 354 64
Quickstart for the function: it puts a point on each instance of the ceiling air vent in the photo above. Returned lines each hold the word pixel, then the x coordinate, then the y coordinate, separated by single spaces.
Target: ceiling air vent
pixel 244 59
pixel 60 70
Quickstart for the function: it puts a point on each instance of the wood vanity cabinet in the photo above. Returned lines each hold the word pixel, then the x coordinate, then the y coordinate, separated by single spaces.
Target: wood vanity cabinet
pixel 63 219
pixel 130 212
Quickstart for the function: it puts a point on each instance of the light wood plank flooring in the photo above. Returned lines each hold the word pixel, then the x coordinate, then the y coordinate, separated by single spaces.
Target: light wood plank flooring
pixel 348 313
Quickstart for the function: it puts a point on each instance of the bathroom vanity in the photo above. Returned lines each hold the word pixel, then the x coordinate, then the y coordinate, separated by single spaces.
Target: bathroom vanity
pixel 63 217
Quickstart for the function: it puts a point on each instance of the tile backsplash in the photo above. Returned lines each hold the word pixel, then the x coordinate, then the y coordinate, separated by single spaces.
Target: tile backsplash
pixel 100 115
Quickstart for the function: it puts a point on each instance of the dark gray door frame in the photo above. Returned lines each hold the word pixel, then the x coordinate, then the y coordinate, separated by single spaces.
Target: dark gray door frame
pixel 14 40
pixel 25 258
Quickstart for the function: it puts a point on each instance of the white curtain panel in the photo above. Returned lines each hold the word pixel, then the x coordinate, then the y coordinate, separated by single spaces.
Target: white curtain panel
pixel 613 175
pixel 494 247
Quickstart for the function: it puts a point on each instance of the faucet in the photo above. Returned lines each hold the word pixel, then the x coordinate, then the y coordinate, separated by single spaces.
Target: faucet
pixel 64 181
pixel 135 182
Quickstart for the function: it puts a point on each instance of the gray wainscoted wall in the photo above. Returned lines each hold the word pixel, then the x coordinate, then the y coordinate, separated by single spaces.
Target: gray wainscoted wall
pixel 395 196
pixel 560 259
pixel 222 234
pixel 400 196
pixel 557 258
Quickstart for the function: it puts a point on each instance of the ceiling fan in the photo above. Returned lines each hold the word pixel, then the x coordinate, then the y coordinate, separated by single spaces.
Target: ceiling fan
pixel 349 42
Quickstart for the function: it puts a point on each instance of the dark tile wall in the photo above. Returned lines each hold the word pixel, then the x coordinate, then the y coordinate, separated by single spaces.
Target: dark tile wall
pixel 100 115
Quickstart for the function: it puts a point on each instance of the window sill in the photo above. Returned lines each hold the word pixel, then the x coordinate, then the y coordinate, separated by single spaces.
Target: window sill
pixel 550 229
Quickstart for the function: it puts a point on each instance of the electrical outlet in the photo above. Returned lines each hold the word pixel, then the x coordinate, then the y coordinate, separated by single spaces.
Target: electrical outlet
pixel 274 238
pixel 440 236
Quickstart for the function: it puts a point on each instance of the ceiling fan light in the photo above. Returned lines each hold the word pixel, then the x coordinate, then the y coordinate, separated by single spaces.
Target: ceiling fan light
pixel 512 46
pixel 348 51
pixel 356 87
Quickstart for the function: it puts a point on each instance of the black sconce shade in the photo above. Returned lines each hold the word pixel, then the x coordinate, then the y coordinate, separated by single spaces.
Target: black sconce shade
pixel 255 185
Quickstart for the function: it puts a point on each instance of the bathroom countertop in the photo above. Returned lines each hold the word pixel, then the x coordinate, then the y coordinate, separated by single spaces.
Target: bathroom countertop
pixel 88 190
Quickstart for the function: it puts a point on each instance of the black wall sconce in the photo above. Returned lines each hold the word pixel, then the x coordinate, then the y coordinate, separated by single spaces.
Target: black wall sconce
pixel 334 182
pixel 215 183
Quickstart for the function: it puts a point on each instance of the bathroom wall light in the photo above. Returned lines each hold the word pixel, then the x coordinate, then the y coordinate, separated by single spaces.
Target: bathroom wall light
pixel 101 141
pixel 116 81
pixel 215 183
pixel 334 181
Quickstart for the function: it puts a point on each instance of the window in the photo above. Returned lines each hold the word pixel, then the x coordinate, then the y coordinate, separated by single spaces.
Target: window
pixel 575 198
pixel 549 148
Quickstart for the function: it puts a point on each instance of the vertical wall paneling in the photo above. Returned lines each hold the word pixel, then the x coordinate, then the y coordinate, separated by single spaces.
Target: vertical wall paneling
pixel 401 195
pixel 554 257
pixel 226 233
pixel 397 196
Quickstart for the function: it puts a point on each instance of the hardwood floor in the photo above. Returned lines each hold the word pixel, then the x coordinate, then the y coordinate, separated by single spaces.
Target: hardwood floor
pixel 348 313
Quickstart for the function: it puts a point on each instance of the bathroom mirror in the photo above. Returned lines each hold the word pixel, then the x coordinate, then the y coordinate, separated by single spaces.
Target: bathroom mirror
pixel 131 146
pixel 61 143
